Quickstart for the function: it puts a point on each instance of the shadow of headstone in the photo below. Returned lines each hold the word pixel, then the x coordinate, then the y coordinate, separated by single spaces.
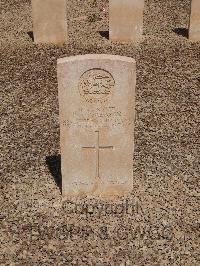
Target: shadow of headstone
pixel 182 32
pixel 104 34
pixel 30 34
pixel 54 164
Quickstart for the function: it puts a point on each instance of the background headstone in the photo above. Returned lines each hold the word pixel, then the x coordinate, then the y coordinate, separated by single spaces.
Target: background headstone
pixel 126 20
pixel 49 21
pixel 194 31
pixel 97 107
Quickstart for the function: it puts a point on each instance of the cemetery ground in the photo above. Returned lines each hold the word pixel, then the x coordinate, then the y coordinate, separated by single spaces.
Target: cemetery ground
pixel 157 224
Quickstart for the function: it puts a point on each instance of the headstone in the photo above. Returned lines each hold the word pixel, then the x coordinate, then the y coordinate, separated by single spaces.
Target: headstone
pixel 97 107
pixel 126 20
pixel 194 31
pixel 49 21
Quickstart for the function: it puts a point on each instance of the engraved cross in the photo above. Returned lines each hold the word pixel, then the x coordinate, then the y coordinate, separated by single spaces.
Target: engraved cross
pixel 97 149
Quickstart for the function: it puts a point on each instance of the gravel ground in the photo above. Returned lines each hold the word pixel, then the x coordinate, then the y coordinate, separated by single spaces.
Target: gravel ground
pixel 158 223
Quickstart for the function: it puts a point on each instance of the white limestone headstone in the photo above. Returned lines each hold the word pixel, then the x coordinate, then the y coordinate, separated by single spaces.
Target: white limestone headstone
pixel 126 20
pixel 97 109
pixel 194 30
pixel 49 21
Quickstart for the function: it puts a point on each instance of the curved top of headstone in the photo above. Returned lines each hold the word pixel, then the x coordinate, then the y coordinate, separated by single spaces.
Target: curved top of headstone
pixel 96 57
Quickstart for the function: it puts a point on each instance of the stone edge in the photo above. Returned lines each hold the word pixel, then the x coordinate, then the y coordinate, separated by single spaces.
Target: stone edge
pixel 95 57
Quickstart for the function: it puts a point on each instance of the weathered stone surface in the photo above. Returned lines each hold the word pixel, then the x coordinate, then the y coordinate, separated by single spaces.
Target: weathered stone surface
pixel 49 21
pixel 97 103
pixel 126 20
pixel 194 31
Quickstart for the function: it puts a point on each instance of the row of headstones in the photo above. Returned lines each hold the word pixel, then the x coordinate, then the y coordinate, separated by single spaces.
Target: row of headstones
pixel 125 20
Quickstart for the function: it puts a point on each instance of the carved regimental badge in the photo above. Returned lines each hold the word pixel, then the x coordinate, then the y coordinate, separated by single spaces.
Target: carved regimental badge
pixel 96 85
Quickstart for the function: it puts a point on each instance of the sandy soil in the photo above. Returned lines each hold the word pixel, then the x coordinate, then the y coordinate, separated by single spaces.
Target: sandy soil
pixel 158 223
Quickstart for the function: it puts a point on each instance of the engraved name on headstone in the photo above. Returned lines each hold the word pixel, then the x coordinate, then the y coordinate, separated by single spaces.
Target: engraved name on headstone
pixel 194 30
pixel 126 20
pixel 49 21
pixel 97 107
